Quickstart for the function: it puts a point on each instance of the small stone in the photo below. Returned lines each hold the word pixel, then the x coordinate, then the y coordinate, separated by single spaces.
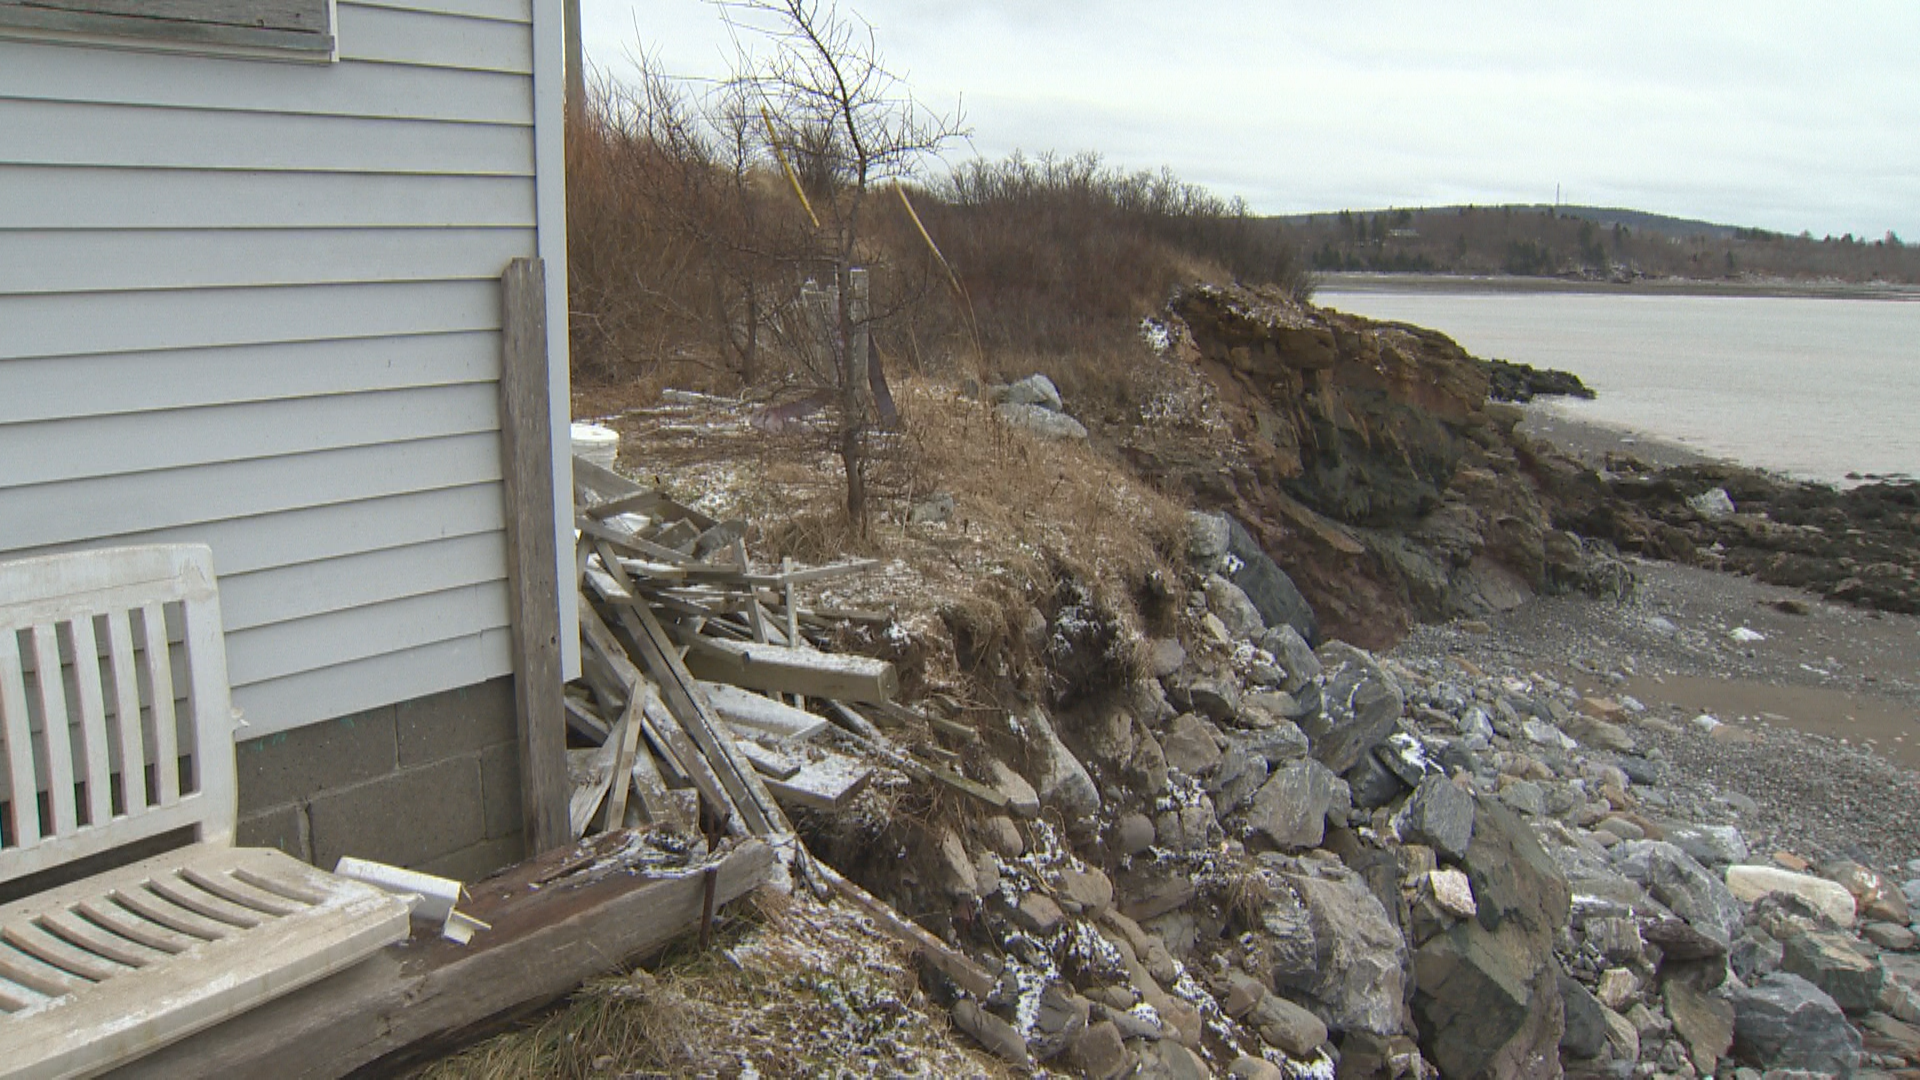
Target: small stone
pixel 1889 936
pixel 1188 828
pixel 1293 654
pixel 1192 745
pixel 1617 988
pixel 998 1036
pixel 1789 861
pixel 1291 807
pixel 1086 888
pixel 1038 913
pixel 1712 846
pixel 1874 896
pixel 1022 800
pixel 1243 993
pixel 954 867
pixel 1208 537
pixel 1440 815
pixel 1041 421
pixel 1246 1067
pixel 1621 828
pixel 1524 796
pixel 1133 833
pixel 1099 1052
pixel 1453 892
pixel 1287 1026
pixel 1002 836
pixel 1618 940
pixel 1165 656
pixel 1058 1023
pixel 1035 389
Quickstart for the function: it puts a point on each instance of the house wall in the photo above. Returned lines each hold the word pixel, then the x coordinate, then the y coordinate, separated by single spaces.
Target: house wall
pixel 257 305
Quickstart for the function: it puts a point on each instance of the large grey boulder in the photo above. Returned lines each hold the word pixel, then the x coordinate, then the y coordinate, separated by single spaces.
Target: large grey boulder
pixel 1234 610
pixel 1290 809
pixel 1587 1034
pixel 1061 780
pixel 1361 705
pixel 1487 992
pixel 1703 1022
pixel 1829 961
pixel 1035 390
pixel 1268 586
pixel 1208 537
pixel 1713 846
pixel 1045 423
pixel 1358 973
pixel 1440 815
pixel 1690 890
pixel 1787 1022
pixel 1292 653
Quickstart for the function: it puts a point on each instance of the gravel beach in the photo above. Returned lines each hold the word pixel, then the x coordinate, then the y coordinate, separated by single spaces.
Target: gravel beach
pixel 1814 736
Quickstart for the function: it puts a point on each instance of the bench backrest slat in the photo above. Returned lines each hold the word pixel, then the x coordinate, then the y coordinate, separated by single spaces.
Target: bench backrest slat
pixel 99 751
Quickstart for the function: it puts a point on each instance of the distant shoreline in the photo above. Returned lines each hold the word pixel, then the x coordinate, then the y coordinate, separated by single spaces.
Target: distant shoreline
pixel 1502 283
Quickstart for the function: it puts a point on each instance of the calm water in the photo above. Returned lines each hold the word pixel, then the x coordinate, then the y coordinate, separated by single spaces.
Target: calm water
pixel 1812 387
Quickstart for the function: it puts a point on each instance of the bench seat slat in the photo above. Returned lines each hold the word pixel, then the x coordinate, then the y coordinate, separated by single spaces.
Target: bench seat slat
pixel 86 1026
pixel 92 938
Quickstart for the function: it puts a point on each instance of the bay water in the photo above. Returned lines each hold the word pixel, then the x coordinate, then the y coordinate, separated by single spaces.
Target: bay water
pixel 1813 387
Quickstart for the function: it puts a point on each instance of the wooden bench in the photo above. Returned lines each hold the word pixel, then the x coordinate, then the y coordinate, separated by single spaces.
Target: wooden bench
pixel 117 726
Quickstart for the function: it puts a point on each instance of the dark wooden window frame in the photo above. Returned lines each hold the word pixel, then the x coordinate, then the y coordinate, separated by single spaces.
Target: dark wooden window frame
pixel 291 28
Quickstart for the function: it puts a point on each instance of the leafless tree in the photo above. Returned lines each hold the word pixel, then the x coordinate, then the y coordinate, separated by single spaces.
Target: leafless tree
pixel 843 126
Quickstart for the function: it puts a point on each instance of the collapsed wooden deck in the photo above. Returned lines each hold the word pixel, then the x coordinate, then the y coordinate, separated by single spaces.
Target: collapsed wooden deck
pixel 577 912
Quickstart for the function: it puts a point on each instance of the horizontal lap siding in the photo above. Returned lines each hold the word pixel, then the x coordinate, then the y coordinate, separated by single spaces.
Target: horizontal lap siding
pixel 257 305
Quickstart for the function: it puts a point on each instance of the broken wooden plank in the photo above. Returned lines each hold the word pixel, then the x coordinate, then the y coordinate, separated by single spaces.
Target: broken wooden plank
pixel 965 974
pixel 688 703
pixel 808 574
pixel 584 723
pixel 412 1004
pixel 638 502
pixel 769 762
pixel 686 755
pixel 839 676
pixel 917 768
pixel 636 544
pixel 627 735
pixel 591 773
pixel 825 782
pixel 746 709
pixel 896 711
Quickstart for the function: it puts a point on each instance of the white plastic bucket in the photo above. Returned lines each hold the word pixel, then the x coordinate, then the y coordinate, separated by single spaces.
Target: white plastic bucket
pixel 600 445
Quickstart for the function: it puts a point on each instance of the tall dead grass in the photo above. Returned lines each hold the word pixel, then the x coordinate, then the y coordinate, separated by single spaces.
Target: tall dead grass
pixel 687 248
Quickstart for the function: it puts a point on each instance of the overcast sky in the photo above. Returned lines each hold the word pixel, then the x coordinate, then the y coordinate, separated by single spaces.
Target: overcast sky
pixel 1785 116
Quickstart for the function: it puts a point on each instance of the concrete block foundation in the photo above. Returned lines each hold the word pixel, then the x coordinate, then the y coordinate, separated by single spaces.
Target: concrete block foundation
pixel 431 784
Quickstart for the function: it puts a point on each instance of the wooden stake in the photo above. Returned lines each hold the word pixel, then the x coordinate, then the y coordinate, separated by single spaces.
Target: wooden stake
pixel 526 439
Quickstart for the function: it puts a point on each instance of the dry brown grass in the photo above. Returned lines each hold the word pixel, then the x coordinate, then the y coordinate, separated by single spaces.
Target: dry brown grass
pixel 799 989
pixel 1031 516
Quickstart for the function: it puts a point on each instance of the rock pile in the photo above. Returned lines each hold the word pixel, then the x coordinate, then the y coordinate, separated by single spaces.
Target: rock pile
pixel 1034 404
pixel 1262 859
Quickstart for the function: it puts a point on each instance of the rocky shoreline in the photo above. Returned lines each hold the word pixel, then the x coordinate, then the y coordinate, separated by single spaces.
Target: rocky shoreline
pixel 1261 859
pixel 1509 846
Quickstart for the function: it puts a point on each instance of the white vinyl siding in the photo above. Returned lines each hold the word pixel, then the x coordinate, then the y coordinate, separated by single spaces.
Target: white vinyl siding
pixel 258 306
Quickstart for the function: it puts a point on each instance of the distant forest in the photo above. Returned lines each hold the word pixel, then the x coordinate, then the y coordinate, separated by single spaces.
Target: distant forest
pixel 1587 243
